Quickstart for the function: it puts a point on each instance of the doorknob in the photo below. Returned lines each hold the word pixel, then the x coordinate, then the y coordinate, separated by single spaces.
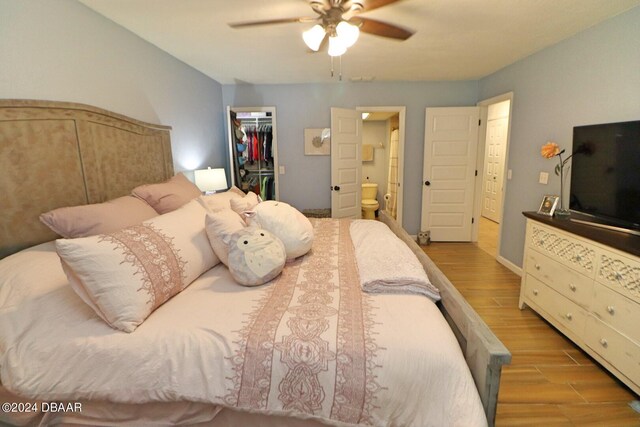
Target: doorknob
pixel 427 183
pixel 337 188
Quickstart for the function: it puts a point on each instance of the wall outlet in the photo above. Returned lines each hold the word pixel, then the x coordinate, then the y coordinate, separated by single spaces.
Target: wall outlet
pixel 544 178
pixel 281 170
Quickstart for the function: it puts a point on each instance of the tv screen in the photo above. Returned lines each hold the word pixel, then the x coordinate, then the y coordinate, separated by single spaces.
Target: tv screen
pixel 605 172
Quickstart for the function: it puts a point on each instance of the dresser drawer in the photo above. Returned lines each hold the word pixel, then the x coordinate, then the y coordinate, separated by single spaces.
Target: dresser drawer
pixel 564 248
pixel 620 274
pixel 567 282
pixel 617 311
pixel 562 310
pixel 615 348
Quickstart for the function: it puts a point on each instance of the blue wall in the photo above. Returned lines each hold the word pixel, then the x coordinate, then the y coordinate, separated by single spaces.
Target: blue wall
pixel 64 51
pixel 308 178
pixel 593 77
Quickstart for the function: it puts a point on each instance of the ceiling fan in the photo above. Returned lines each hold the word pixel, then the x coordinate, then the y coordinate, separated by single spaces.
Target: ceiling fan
pixel 340 22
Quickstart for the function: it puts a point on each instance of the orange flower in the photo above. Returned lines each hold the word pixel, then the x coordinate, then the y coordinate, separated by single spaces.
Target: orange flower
pixel 549 150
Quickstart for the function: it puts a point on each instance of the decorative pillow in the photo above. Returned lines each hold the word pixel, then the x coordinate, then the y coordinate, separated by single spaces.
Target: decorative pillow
pixel 220 225
pixel 255 256
pixel 169 195
pixel 89 220
pixel 246 203
pixel 215 202
pixel 286 223
pixel 127 274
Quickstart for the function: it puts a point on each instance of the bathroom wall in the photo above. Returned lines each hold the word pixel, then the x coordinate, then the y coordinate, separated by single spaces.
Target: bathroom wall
pixel 377 133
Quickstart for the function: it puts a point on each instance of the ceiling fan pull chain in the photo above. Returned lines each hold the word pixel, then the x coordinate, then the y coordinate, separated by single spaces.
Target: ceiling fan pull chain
pixel 340 78
pixel 331 66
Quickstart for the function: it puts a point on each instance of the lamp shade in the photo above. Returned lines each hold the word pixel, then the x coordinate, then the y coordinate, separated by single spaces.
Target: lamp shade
pixel 347 33
pixel 211 179
pixel 336 47
pixel 313 37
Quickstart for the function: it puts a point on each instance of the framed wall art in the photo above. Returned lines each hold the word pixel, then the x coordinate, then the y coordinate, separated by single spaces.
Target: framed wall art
pixel 317 142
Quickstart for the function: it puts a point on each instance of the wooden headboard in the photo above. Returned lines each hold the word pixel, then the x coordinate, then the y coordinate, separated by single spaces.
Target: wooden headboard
pixel 55 154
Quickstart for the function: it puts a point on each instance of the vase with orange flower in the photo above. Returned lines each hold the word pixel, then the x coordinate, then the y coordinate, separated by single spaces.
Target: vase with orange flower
pixel 549 151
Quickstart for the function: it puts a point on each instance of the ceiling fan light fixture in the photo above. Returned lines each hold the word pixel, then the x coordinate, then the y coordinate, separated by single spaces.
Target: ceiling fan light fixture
pixel 336 46
pixel 347 33
pixel 313 37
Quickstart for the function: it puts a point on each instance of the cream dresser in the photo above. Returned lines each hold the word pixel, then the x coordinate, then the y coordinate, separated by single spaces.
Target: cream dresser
pixel 586 282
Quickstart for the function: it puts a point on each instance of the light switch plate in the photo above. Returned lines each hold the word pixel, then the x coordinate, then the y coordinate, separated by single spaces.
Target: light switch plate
pixel 544 177
pixel 509 174
pixel 281 170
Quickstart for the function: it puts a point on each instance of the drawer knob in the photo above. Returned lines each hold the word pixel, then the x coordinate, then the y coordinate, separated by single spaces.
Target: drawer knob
pixel 618 276
pixel 542 241
pixel 578 258
pixel 603 342
pixel 535 292
pixel 572 287
pixel 569 316
pixel 537 266
pixel 611 309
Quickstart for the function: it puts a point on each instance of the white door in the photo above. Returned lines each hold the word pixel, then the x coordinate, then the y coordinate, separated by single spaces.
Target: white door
pixel 346 163
pixel 494 168
pixel 451 142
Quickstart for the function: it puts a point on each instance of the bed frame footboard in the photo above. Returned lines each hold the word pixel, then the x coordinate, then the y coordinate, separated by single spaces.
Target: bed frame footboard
pixel 483 351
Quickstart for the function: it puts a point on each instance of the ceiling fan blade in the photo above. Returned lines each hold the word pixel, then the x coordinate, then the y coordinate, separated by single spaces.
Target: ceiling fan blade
pixel 271 22
pixel 374 4
pixel 379 28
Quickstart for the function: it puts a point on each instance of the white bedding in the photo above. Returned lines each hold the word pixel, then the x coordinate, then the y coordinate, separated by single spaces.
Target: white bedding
pixel 54 347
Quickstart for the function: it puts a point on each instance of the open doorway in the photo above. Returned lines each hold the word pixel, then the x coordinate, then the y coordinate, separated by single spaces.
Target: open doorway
pixel 382 160
pixel 492 168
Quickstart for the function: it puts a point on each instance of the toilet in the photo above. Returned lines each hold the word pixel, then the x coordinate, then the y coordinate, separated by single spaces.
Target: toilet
pixel 369 203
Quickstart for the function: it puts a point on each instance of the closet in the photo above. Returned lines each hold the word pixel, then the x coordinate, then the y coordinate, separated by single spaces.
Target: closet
pixel 253 150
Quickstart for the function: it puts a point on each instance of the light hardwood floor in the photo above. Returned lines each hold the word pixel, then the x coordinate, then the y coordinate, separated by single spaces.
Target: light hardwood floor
pixel 550 382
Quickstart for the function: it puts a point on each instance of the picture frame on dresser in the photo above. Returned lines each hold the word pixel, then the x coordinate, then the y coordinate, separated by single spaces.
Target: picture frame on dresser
pixel 548 205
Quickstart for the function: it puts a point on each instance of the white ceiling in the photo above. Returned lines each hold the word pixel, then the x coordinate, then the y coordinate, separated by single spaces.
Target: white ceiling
pixel 454 40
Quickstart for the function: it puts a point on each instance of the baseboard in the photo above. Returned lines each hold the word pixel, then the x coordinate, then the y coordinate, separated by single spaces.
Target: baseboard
pixel 511 266
pixel 413 236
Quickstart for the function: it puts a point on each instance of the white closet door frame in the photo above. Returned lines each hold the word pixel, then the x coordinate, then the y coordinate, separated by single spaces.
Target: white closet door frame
pixel 274 133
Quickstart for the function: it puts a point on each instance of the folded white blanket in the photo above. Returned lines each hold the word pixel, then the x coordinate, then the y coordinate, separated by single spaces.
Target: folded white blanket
pixel 392 270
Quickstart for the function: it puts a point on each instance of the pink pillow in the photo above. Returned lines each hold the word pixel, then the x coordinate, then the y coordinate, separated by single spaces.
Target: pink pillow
pixel 169 195
pixel 98 218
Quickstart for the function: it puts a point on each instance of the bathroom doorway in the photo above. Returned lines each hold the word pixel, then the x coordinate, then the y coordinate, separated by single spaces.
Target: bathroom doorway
pixel 382 156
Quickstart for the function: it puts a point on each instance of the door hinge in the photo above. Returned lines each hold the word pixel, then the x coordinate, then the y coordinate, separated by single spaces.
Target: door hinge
pixel 476 172
pixel 479 122
pixel 473 220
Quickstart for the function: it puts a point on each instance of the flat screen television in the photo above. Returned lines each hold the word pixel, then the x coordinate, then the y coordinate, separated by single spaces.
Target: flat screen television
pixel 605 173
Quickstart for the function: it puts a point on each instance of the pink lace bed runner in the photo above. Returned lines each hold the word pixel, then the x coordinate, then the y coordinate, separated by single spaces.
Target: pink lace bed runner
pixel 307 348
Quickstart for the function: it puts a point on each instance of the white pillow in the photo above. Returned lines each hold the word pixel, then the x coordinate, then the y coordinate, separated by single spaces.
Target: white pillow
pixel 125 275
pixel 255 256
pixel 246 203
pixel 220 225
pixel 286 223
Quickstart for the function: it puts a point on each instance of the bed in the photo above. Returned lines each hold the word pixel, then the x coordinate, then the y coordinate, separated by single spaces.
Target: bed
pixel 228 358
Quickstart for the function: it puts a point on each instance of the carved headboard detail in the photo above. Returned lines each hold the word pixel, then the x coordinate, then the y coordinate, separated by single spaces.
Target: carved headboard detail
pixel 55 154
